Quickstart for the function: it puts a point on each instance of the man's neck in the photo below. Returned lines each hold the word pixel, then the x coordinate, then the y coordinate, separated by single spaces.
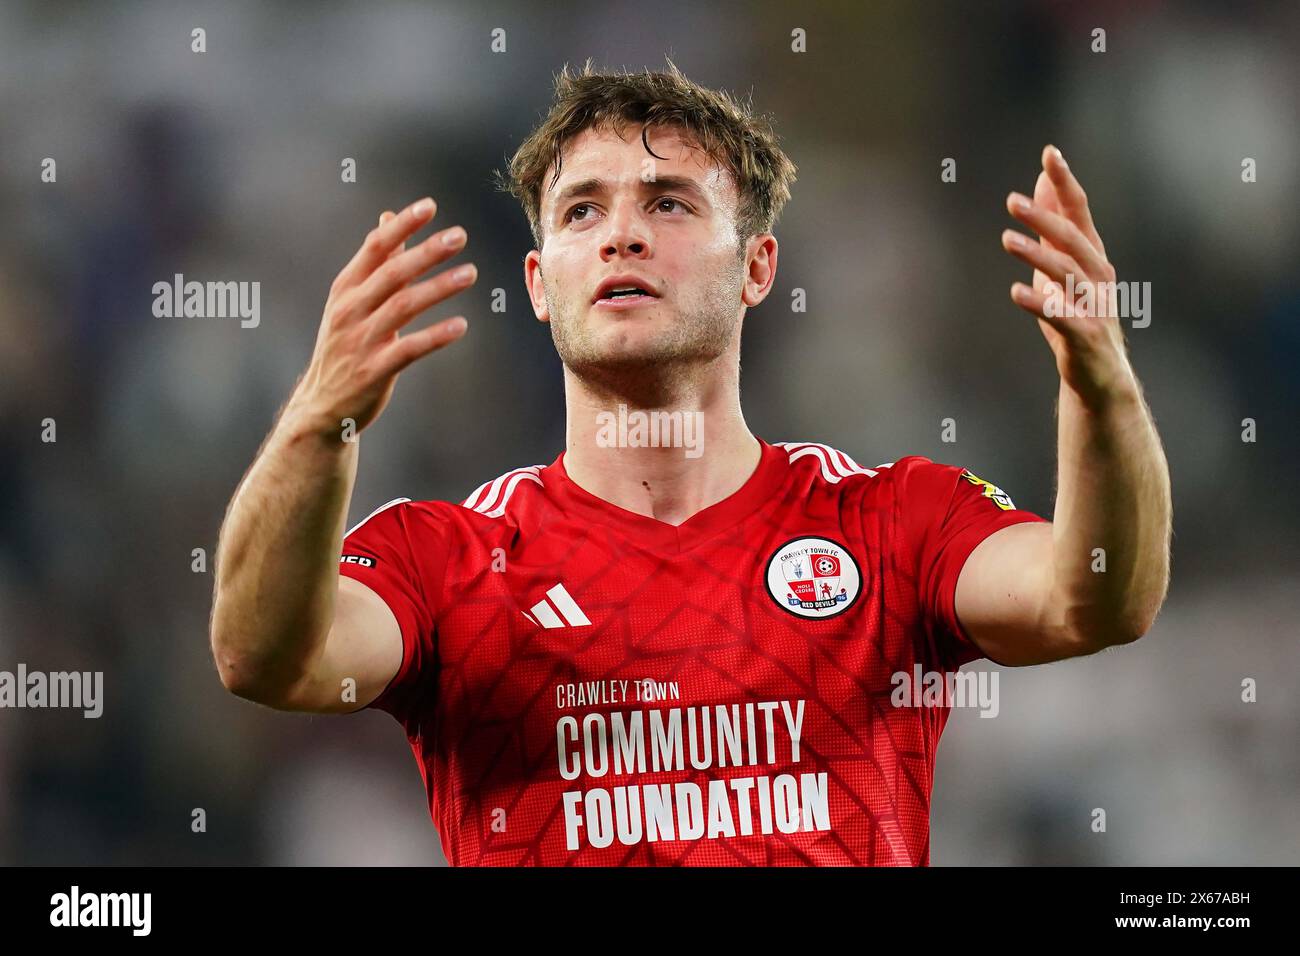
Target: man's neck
pixel 704 451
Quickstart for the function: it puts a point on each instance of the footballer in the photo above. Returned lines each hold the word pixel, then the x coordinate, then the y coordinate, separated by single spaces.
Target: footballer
pixel 677 642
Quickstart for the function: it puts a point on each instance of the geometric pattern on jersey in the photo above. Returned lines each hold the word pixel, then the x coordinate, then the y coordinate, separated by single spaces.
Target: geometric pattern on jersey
pixel 584 685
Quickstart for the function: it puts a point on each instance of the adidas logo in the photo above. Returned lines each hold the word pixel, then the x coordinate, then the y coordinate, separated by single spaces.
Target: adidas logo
pixel 564 613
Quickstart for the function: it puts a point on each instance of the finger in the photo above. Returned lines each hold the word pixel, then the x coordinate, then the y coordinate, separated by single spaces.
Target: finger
pixel 1051 262
pixel 1035 303
pixel 1045 193
pixel 1074 201
pixel 418 344
pixel 1028 299
pixel 402 269
pixel 405 304
pixel 384 216
pixel 381 241
pixel 1062 233
pixel 1045 196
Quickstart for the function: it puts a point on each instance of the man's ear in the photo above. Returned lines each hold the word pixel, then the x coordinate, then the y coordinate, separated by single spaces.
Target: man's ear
pixel 760 274
pixel 536 287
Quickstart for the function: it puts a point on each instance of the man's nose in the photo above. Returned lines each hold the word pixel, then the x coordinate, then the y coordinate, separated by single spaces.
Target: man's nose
pixel 626 232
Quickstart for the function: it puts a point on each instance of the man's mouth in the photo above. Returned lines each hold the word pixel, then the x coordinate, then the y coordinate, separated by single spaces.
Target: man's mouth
pixel 625 297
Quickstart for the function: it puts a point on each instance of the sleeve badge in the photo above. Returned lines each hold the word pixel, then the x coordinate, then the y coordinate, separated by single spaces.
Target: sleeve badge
pixel 991 491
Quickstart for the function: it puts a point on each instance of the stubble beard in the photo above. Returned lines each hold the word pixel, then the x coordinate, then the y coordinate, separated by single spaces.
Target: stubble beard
pixel 656 370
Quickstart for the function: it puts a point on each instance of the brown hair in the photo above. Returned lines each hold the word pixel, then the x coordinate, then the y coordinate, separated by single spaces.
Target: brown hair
pixel 728 132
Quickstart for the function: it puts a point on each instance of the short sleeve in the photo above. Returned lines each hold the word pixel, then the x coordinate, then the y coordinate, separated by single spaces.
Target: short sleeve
pixel 946 512
pixel 378 552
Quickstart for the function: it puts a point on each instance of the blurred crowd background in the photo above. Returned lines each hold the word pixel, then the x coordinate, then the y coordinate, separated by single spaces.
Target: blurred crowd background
pixel 225 165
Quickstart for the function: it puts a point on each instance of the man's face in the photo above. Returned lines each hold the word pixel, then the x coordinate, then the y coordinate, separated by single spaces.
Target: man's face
pixel 671 223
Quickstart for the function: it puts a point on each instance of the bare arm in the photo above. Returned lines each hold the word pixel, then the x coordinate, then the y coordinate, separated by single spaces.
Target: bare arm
pixel 1033 593
pixel 286 629
pixel 1098 574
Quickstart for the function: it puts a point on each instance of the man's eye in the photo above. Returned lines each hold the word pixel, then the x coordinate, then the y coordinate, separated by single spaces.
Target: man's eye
pixel 569 214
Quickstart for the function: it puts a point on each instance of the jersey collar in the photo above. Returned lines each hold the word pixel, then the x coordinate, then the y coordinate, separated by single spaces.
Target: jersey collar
pixel 759 489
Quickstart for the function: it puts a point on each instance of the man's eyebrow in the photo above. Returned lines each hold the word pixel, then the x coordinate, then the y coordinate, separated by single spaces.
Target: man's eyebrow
pixel 587 187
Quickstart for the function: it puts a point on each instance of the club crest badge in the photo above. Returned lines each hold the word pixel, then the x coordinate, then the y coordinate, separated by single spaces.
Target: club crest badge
pixel 813 578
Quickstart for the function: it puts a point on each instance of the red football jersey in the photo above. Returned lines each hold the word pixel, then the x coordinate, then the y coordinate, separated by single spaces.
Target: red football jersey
pixel 582 685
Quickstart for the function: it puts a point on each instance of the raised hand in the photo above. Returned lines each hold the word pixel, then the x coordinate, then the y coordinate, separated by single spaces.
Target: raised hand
pixel 1073 285
pixel 359 351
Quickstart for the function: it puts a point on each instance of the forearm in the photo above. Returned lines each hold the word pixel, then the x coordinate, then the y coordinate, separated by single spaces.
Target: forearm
pixel 1113 494
pixel 277 556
